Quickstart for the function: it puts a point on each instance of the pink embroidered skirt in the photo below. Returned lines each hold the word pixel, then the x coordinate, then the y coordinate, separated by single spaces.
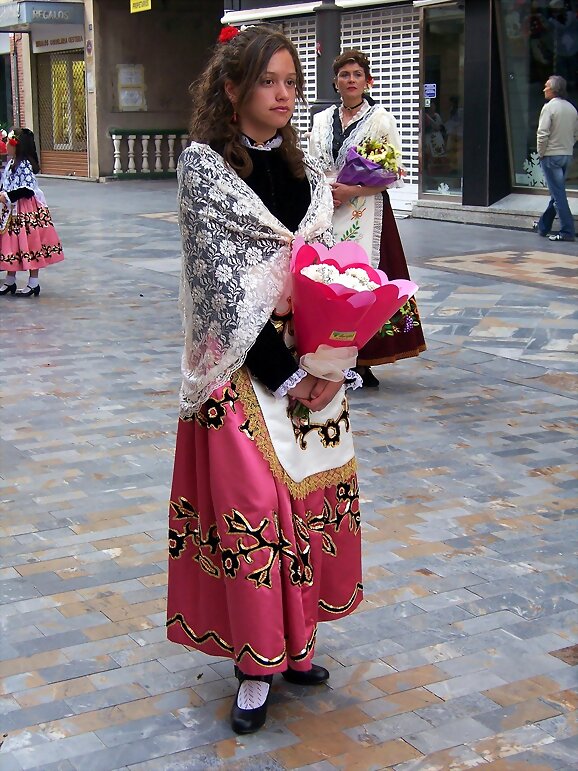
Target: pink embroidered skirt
pixel 257 559
pixel 30 240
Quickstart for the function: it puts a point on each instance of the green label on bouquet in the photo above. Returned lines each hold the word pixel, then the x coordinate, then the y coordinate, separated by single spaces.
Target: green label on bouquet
pixel 342 335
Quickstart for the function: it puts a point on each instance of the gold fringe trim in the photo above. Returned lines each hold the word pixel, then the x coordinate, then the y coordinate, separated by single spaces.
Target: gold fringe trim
pixel 263 441
pixel 341 608
pixel 392 359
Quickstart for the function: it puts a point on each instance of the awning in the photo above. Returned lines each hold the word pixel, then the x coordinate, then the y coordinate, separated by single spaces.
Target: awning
pixel 297 9
pixel 19 16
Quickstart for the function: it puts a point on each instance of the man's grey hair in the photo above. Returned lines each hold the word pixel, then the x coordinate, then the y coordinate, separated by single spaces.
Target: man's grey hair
pixel 558 86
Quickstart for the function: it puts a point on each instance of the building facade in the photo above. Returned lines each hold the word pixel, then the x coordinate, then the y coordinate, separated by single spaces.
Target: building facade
pixel 104 89
pixel 464 80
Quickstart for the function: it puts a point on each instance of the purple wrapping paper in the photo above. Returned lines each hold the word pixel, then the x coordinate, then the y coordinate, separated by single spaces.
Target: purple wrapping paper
pixel 361 171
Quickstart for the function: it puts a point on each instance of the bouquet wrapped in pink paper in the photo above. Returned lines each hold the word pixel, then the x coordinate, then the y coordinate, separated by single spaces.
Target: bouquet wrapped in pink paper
pixel 339 303
pixel 373 163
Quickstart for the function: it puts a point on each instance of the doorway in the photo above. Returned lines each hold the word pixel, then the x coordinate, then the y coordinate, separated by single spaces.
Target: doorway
pixel 442 100
pixel 62 113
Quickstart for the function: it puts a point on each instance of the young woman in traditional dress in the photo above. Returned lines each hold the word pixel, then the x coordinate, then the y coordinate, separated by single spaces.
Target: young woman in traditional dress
pixel 365 214
pixel 264 535
pixel 28 240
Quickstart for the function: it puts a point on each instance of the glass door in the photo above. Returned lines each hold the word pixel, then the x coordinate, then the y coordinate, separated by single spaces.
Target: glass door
pixel 538 38
pixel 442 100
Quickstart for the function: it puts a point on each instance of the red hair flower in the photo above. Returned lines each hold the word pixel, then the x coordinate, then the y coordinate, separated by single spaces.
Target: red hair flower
pixel 228 33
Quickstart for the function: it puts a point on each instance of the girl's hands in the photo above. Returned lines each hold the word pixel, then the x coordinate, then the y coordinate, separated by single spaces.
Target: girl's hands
pixel 4 198
pixel 314 392
pixel 322 394
pixel 302 391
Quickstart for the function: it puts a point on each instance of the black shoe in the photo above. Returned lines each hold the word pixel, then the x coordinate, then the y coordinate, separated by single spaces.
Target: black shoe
pixel 535 228
pixel 561 237
pixel 29 291
pixel 8 288
pixel 314 676
pixel 247 721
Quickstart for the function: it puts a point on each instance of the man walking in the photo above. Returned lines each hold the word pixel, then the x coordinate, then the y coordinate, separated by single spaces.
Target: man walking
pixel 557 132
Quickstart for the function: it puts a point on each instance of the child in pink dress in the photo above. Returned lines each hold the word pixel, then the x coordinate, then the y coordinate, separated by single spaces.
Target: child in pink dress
pixel 28 240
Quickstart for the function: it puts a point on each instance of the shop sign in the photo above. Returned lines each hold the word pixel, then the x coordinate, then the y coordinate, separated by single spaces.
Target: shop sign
pixel 19 15
pixel 56 38
pixel 430 90
pixel 52 13
pixel 140 5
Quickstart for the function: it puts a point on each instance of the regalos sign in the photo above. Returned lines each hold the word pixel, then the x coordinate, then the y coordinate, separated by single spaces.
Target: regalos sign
pixel 42 15
pixel 53 13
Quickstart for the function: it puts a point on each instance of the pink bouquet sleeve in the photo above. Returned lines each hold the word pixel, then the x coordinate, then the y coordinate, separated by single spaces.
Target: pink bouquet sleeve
pixel 332 314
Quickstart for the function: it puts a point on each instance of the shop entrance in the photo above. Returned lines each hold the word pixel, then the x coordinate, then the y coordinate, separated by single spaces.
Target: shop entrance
pixel 442 100
pixel 62 113
pixel 538 38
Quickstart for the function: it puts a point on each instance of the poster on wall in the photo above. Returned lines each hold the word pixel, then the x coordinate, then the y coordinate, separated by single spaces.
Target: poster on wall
pixel 131 88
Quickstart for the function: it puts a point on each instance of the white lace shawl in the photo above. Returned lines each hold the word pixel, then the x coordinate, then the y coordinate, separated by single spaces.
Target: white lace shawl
pixel 22 177
pixel 235 265
pixel 375 123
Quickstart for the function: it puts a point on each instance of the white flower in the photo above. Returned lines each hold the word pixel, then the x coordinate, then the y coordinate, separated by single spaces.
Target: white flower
pixel 253 256
pixel 223 273
pixel 228 248
pixel 196 295
pixel 198 267
pixel 218 302
pixel 353 278
pixel 324 274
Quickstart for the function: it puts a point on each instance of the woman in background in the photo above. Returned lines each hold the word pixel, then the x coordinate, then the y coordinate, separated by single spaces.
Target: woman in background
pixel 365 214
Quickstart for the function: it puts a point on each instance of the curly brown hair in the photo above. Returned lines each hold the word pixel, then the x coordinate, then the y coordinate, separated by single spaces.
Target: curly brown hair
pixel 352 55
pixel 241 61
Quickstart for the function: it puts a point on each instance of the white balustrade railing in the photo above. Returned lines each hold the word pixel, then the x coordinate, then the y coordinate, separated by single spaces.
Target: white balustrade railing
pixel 135 154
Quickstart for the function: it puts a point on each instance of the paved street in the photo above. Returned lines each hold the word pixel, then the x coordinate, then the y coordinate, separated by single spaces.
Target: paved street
pixel 464 653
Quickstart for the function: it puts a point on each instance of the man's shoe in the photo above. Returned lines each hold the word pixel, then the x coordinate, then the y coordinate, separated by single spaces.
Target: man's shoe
pixel 314 676
pixel 249 710
pixel 561 237
pixel 535 228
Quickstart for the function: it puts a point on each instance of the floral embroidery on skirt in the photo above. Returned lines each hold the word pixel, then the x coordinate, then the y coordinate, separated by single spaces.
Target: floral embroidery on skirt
pixel 253 568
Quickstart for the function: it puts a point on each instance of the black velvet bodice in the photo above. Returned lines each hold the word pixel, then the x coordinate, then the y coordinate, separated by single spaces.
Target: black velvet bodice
pixel 286 198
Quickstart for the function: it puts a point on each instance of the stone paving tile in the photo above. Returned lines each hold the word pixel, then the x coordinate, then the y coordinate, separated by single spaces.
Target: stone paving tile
pixel 442 737
pixel 465 644
pixel 457 758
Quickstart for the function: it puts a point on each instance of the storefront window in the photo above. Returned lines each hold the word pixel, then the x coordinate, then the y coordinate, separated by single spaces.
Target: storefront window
pixel 538 38
pixel 442 99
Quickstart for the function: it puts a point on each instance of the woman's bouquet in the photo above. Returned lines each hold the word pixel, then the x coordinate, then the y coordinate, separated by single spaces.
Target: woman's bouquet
pixel 373 163
pixel 339 303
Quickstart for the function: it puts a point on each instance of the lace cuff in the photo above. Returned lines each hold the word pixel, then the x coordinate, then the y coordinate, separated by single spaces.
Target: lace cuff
pixel 353 379
pixel 290 383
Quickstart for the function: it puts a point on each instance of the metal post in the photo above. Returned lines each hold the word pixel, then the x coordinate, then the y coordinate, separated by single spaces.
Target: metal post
pixel 16 84
pixel 328 37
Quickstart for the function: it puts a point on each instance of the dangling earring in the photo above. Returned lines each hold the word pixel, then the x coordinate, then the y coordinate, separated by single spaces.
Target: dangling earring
pixel 234 118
